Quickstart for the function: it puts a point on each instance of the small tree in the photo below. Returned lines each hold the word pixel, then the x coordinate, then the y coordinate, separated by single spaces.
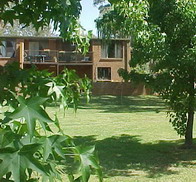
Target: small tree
pixel 163 34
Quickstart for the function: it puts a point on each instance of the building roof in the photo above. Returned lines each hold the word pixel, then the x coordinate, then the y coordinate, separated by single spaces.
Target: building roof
pixel 37 37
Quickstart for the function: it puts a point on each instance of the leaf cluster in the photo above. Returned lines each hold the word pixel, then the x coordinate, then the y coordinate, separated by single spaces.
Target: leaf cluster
pixel 31 149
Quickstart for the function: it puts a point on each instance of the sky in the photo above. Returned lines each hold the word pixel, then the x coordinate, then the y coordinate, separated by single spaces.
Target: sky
pixel 88 15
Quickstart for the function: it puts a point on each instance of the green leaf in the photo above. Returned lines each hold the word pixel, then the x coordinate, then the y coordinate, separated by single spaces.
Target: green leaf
pixel 7 136
pixel 57 123
pixel 56 89
pixel 18 161
pixel 53 144
pixel 6 180
pixel 88 160
pixel 31 110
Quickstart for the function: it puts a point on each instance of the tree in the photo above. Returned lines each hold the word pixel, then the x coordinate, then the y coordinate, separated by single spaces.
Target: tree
pixel 103 6
pixel 163 34
pixel 62 14
pixel 19 30
pixel 30 149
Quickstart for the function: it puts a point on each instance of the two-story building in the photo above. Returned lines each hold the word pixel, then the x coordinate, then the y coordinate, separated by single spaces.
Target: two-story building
pixel 100 64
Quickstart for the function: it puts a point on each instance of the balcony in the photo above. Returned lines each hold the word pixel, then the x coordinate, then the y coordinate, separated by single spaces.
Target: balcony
pixel 48 56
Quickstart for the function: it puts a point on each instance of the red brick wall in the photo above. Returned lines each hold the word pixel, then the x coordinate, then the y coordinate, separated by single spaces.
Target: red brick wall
pixel 50 67
pixel 119 88
pixel 114 64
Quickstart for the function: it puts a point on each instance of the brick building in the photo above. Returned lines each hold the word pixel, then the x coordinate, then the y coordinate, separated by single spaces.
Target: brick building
pixel 100 64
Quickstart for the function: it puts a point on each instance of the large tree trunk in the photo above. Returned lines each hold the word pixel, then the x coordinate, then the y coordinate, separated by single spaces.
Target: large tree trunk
pixel 189 127
pixel 189 130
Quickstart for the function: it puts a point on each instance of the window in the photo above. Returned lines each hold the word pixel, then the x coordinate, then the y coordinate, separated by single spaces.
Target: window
pixel 7 48
pixel 33 48
pixel 112 50
pixel 36 46
pixel 104 73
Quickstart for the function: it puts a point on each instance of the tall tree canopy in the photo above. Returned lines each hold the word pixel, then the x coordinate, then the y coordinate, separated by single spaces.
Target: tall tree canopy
pixel 163 35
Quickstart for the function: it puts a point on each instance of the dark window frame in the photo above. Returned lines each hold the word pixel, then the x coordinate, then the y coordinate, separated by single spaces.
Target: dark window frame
pixel 113 49
pixel 104 73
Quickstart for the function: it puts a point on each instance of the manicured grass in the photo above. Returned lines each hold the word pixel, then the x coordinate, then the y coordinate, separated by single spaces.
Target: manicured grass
pixel 133 137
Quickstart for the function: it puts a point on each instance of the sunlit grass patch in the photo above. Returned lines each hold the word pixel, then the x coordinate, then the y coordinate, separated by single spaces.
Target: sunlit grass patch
pixel 134 140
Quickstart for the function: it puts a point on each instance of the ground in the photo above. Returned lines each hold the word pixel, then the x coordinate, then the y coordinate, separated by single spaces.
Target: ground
pixel 134 140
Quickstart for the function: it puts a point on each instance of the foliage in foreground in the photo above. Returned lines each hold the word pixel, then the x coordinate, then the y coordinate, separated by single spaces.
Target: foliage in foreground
pixel 33 146
pixel 163 35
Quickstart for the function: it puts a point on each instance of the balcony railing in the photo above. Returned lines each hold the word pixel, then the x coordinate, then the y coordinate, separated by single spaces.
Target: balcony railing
pixel 34 56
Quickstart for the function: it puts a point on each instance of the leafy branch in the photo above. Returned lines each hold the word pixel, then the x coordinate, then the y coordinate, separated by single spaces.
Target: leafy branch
pixel 29 149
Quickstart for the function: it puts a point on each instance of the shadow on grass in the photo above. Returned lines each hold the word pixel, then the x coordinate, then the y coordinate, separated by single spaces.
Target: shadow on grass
pixel 125 154
pixel 124 104
pixel 120 104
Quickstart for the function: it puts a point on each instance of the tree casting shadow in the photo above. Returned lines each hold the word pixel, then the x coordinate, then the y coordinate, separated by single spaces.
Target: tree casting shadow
pixel 120 155
pixel 124 104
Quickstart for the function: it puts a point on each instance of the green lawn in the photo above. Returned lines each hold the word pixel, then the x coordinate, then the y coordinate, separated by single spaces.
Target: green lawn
pixel 133 137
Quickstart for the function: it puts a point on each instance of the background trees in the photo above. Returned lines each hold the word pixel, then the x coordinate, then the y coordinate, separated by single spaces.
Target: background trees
pixel 62 14
pixel 18 30
pixel 163 35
